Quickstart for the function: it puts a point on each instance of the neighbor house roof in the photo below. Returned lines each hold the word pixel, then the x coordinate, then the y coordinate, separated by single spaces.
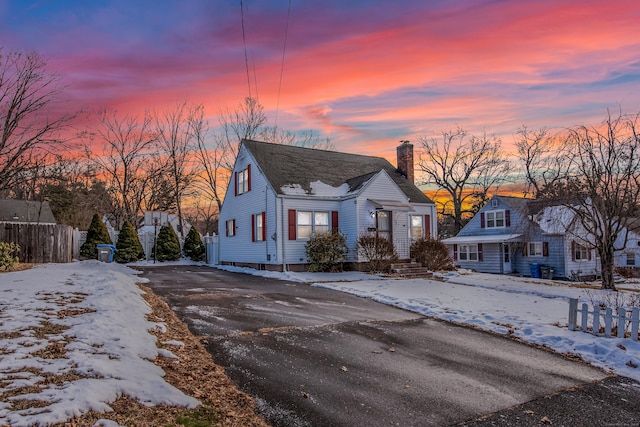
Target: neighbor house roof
pixel 26 211
pixel 287 166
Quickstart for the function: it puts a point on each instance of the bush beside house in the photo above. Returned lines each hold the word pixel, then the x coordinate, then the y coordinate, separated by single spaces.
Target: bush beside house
pixel 9 255
pixel 97 234
pixel 432 254
pixel 128 247
pixel 193 246
pixel 326 252
pixel 379 252
pixel 167 245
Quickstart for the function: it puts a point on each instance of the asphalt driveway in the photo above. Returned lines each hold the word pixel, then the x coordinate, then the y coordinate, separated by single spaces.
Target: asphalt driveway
pixel 316 357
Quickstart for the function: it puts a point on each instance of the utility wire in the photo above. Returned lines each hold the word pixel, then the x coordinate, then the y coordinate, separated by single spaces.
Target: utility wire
pixel 284 49
pixel 244 42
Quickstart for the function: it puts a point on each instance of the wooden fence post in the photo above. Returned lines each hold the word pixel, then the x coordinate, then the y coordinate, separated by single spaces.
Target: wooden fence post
pixel 573 313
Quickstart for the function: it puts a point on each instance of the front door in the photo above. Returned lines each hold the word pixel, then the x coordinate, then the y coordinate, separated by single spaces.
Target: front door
pixel 383 224
pixel 506 258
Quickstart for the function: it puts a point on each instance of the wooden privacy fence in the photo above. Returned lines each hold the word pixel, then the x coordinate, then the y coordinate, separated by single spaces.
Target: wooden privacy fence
pixel 40 243
pixel 603 322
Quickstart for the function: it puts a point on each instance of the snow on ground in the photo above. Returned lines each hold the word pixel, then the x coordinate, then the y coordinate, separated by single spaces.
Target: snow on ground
pixel 92 317
pixel 533 310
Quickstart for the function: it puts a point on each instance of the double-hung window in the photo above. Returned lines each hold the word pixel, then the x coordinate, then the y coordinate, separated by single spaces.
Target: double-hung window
pixel 535 249
pixel 468 252
pixel 243 180
pixel 580 252
pixel 308 223
pixel 231 227
pixel 258 227
pixel 494 219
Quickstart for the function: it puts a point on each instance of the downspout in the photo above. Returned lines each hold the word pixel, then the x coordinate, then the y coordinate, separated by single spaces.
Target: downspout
pixel 284 262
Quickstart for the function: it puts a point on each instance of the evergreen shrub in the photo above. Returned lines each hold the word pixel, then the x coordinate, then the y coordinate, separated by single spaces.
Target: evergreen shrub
pixel 9 255
pixel 193 247
pixel 326 251
pixel 97 234
pixel 167 245
pixel 128 247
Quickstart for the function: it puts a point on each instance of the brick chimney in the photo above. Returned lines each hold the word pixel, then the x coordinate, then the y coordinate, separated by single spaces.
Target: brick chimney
pixel 405 159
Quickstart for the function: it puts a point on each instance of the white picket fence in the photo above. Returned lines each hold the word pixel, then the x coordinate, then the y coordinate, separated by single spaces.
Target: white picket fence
pixel 602 322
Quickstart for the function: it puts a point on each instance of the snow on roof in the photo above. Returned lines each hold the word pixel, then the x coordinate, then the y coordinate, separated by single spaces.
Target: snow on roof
pixel 555 219
pixel 318 188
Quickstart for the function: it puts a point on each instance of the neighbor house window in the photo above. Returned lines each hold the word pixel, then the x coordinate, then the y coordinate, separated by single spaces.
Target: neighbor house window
pixel 535 249
pixel 631 258
pixel 468 252
pixel 231 227
pixel 243 180
pixel 258 227
pixel 580 252
pixel 494 219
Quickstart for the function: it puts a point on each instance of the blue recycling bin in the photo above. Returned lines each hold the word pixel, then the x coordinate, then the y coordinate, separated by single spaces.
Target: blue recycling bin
pixel 535 271
pixel 105 252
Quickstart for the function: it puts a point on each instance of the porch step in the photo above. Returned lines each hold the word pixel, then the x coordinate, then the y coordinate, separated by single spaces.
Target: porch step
pixel 410 268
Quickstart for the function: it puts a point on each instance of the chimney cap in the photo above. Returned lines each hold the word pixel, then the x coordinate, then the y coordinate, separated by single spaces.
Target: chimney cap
pixel 404 141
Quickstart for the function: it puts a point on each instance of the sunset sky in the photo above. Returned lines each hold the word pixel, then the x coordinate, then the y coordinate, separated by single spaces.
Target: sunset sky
pixel 364 73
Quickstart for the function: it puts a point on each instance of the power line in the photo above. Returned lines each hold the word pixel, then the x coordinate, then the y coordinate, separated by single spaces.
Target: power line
pixel 244 42
pixel 284 49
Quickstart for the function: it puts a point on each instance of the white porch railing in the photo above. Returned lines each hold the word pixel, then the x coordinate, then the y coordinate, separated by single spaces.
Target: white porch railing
pixel 603 322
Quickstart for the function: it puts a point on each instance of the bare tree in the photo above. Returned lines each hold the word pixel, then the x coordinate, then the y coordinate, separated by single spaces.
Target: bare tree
pixel 120 146
pixel 27 121
pixel 242 122
pixel 606 176
pixel 545 159
pixel 465 168
pixel 175 140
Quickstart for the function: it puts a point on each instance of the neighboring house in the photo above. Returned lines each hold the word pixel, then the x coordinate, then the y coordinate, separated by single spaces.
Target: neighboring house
pixel 279 195
pixel 510 234
pixel 150 227
pixel 26 212
pixel 630 255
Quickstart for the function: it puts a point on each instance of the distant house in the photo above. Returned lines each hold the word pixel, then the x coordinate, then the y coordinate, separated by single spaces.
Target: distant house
pixel 279 195
pixel 26 212
pixel 629 256
pixel 512 234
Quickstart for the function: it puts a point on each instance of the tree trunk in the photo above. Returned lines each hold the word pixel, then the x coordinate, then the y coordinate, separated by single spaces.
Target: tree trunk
pixel 607 266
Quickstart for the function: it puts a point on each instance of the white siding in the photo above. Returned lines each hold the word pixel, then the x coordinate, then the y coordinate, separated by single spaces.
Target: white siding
pixel 261 198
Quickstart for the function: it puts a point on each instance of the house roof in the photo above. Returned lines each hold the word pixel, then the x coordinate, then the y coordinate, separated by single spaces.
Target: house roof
pixel 291 167
pixel 26 211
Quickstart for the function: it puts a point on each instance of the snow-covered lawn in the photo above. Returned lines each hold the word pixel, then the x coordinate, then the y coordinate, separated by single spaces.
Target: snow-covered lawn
pixel 533 310
pixel 73 338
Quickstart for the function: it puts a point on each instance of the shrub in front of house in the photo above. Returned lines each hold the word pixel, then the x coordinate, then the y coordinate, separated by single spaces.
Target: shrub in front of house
pixel 379 252
pixel 9 255
pixel 326 252
pixel 193 247
pixel 432 254
pixel 128 248
pixel 167 245
pixel 97 234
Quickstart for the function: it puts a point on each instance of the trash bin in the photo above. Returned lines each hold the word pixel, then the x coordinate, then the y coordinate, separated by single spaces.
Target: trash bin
pixel 546 272
pixel 105 252
pixel 535 270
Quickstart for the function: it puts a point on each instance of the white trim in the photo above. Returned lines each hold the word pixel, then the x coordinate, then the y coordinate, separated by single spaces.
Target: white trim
pixel 496 238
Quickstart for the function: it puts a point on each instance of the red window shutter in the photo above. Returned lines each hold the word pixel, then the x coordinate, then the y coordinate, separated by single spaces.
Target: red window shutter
pixel 334 221
pixel 479 251
pixel 248 177
pixel 589 254
pixel 545 248
pixel 292 224
pixel 525 249
pixel 264 226
pixel 573 251
pixel 507 218
pixel 253 228
pixel 427 226
pixel 481 219
pixel 226 228
pixel 235 183
pixel 455 252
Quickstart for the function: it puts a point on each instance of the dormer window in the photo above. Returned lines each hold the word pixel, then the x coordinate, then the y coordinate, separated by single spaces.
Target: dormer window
pixel 494 219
